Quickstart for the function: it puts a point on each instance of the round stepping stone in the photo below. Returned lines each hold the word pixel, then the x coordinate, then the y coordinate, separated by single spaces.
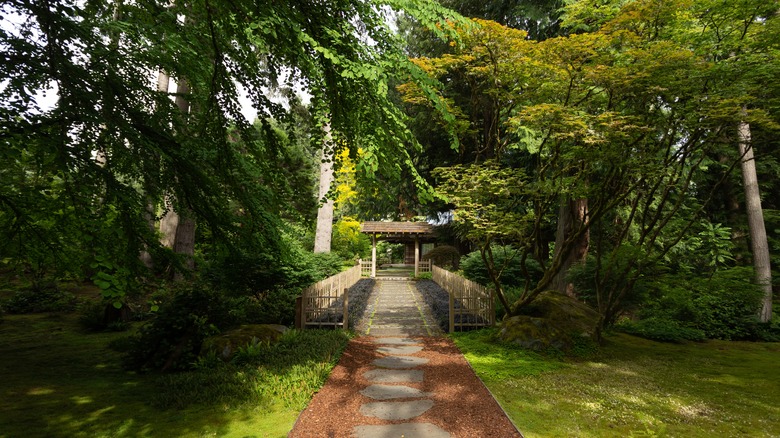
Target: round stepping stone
pixel 396 410
pixel 397 341
pixel 407 430
pixel 399 362
pixel 394 376
pixel 399 331
pixel 401 350
pixel 386 392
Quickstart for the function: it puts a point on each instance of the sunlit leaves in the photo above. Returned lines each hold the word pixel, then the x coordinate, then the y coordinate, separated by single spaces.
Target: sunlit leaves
pixel 492 202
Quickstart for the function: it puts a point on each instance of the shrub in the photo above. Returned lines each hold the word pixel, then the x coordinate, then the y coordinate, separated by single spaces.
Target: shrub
pixel 289 371
pixel 583 277
pixel 91 315
pixel 727 304
pixel 424 276
pixel 262 286
pixel 663 330
pixel 47 298
pixel 276 307
pixel 723 306
pixel 507 259
pixel 769 331
pixel 348 242
pixel 172 339
pixel 444 256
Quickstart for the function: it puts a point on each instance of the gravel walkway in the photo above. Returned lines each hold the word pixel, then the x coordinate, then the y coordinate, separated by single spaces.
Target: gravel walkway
pixel 402 380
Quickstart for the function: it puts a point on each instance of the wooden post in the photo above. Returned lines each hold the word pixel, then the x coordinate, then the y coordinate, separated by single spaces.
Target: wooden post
pixel 373 255
pixel 416 257
pixel 304 303
pixel 299 313
pixel 452 311
pixel 346 309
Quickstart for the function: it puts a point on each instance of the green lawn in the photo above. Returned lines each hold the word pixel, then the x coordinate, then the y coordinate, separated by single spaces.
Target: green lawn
pixel 635 387
pixel 58 381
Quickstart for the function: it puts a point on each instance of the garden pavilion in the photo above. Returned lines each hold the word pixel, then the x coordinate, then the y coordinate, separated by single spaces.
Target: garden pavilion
pixel 411 234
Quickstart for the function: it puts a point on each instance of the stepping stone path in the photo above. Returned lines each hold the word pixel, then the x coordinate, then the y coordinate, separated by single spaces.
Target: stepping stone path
pixel 398 315
pixel 398 382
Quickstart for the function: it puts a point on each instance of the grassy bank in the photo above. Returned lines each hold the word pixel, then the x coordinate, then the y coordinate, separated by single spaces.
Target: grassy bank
pixel 58 381
pixel 635 387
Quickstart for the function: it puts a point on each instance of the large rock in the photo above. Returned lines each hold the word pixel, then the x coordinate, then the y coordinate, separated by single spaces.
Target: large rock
pixel 226 344
pixel 552 320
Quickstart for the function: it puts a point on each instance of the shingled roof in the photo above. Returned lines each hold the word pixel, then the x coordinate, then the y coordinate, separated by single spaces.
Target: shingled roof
pixel 399 229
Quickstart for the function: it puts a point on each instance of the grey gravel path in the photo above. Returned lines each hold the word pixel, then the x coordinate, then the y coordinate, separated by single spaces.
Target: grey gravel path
pixel 397 314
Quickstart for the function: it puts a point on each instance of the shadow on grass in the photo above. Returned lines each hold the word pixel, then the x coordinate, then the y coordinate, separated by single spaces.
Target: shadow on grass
pixel 639 387
pixel 61 382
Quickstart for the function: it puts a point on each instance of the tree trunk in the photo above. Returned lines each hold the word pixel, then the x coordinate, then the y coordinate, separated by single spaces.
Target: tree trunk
pixel 179 229
pixel 758 240
pixel 185 240
pixel 571 215
pixel 163 81
pixel 324 230
pixel 168 225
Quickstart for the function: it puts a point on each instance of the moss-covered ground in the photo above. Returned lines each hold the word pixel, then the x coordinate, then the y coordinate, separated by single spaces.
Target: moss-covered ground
pixel 634 387
pixel 59 381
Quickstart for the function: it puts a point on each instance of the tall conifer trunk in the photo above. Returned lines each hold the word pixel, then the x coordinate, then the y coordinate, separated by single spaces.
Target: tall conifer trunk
pixel 163 81
pixel 324 230
pixel 755 216
pixel 178 227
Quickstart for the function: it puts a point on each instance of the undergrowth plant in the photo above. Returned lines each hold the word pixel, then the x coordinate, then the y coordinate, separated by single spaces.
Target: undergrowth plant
pixel 287 372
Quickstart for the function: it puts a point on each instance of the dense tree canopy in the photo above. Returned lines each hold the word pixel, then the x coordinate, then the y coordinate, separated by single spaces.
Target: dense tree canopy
pixel 603 132
pixel 630 113
pixel 82 177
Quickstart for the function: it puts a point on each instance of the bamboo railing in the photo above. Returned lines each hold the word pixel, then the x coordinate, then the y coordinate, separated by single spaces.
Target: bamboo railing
pixel 471 304
pixel 322 303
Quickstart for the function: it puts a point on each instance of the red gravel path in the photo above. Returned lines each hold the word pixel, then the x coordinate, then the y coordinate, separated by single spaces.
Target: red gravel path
pixel 462 404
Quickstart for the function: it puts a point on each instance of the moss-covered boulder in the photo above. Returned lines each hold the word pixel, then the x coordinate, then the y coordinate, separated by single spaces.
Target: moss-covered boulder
pixel 226 344
pixel 553 320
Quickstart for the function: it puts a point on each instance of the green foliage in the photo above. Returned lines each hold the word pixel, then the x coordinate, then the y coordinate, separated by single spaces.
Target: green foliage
pixel 101 315
pixel 92 315
pixel 507 264
pixel 706 248
pixel 264 284
pixel 86 177
pixel 113 280
pixel 424 276
pixel 723 306
pixel 444 256
pixel 288 371
pixel 660 329
pixel 604 280
pixel 48 298
pixel 172 339
pixel 387 252
pixel 512 295
pixel 348 242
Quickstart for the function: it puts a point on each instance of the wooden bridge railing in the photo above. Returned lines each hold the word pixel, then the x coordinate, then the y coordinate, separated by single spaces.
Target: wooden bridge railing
pixel 322 303
pixel 471 304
